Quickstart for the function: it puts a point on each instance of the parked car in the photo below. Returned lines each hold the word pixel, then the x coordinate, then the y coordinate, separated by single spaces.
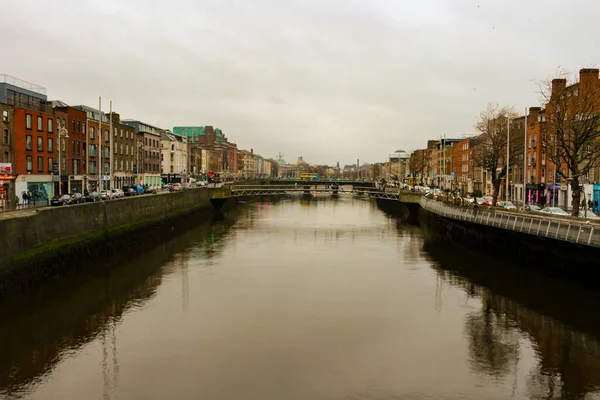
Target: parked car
pixel 76 198
pixel 60 200
pixel 176 187
pixel 129 191
pixel 555 211
pixel 507 205
pixel 106 195
pixel 533 207
pixel 148 189
pixel 487 201
pixel 91 197
pixel 588 215
pixel 117 193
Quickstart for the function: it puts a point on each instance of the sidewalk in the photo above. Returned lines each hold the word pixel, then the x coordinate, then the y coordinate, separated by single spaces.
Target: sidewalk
pixel 10 206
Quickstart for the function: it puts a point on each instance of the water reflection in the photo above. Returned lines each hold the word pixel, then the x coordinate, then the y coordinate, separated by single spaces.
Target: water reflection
pixel 53 324
pixel 520 309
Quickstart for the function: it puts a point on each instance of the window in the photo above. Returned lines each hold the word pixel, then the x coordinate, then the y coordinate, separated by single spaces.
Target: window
pixel 64 143
pixel 106 152
pixel 126 135
pixel 121 132
pixel 4 115
pixel 6 138
pixel 106 136
pixel 50 145
pixel 75 167
pixel 73 125
pixel 50 165
pixel 28 121
pixel 28 143
pixel 107 168
pixel 116 148
pixel 121 165
pixel 92 152
pixel 40 164
pixel 78 126
pixel 121 148
pixel 126 150
pixel 92 168
pixel 29 163
pixel 6 157
pixel 40 143
pixel 40 123
pixel 50 125
pixel 92 132
pixel 83 127
pixel 78 147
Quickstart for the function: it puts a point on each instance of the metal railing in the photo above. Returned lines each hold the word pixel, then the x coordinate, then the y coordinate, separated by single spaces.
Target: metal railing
pixel 261 190
pixel 584 233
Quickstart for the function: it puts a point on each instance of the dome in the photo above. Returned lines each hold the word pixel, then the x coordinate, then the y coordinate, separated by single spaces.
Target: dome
pixel 281 160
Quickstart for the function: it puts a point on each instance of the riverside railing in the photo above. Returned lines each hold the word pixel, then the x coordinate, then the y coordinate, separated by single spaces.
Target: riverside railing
pixel 584 233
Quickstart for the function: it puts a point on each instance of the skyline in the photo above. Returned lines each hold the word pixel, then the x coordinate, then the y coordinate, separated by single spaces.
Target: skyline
pixel 300 77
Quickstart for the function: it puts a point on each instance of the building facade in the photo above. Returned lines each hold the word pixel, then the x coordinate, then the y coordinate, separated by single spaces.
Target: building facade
pixel 148 150
pixel 7 157
pixel 123 153
pixel 174 157
pixel 34 136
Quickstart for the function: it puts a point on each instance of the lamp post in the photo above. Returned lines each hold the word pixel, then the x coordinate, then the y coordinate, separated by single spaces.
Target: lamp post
pixel 62 134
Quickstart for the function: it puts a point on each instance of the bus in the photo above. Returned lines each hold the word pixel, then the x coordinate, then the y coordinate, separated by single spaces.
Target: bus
pixel 308 175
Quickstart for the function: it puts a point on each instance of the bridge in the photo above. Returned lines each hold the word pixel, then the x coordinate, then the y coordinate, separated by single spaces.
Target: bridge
pixel 567 229
pixel 318 182
pixel 304 188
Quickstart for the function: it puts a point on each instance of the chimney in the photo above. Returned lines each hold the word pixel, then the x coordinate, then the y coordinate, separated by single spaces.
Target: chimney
pixel 534 114
pixel 588 77
pixel 558 85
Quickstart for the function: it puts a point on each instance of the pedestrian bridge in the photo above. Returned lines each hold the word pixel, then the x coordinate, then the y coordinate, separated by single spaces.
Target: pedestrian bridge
pixel 271 190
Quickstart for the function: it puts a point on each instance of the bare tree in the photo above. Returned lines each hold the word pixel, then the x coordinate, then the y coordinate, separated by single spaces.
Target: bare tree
pixel 489 151
pixel 573 128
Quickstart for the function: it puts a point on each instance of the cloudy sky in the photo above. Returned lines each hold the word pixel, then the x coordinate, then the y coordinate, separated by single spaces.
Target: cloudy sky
pixel 325 79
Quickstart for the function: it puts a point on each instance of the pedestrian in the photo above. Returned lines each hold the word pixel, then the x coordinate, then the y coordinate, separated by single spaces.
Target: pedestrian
pixel 17 200
pixel 596 204
pixel 590 204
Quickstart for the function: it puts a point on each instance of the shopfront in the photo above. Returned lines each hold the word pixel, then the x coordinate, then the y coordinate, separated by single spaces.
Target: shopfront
pixel 535 193
pixel 7 185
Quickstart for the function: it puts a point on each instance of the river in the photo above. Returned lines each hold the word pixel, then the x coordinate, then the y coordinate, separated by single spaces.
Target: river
pixel 312 298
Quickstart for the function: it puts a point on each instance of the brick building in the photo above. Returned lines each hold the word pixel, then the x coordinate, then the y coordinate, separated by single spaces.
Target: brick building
pixel 70 147
pixel 7 156
pixel 123 153
pixel 462 165
pixel 33 134
pixel 148 152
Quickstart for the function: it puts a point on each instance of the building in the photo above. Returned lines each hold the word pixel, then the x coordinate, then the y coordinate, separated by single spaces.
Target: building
pixel 248 163
pixel 462 166
pixel 7 157
pixel 194 166
pixel 33 133
pixel 147 152
pixel 174 157
pixel 70 147
pixel 213 139
pixel 96 149
pixel 123 153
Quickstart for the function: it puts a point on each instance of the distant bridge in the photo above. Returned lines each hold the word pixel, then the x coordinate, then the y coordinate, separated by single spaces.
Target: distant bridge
pixel 304 188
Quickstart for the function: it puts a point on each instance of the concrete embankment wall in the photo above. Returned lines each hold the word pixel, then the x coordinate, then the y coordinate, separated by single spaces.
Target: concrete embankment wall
pixel 33 236
pixel 553 257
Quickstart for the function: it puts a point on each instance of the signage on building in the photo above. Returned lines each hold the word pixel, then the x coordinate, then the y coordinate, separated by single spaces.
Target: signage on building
pixel 7 177
pixel 55 168
pixel 563 187
pixel 452 175
pixel 5 168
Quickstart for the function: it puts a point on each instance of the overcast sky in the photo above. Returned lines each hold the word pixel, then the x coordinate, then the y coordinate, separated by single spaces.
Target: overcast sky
pixel 325 79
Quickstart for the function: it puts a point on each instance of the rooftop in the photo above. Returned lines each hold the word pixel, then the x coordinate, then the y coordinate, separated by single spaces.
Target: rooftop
pixel 11 80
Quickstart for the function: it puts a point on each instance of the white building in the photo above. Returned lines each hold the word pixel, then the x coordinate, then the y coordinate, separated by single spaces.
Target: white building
pixel 173 156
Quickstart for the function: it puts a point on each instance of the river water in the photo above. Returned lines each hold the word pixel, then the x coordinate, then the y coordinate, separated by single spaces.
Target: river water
pixel 312 298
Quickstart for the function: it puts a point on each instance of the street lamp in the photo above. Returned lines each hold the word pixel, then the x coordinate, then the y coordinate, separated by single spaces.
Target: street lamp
pixel 64 134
